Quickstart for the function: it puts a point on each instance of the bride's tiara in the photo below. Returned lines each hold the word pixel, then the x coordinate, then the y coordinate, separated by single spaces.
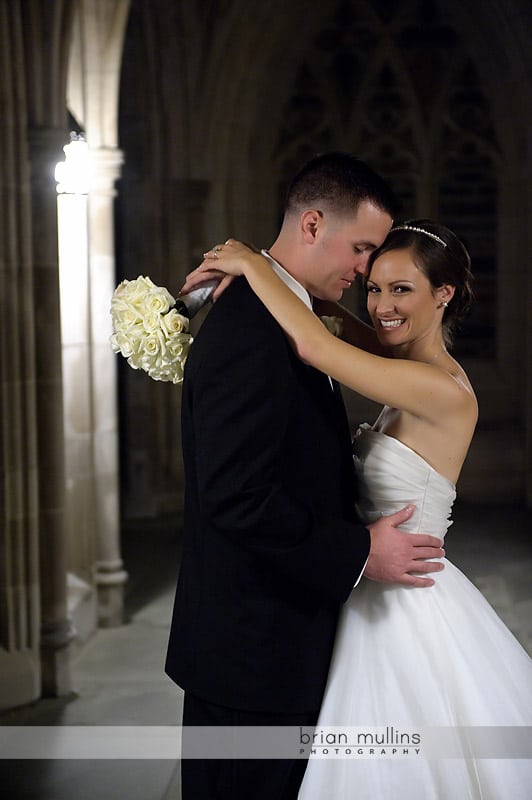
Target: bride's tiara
pixel 418 230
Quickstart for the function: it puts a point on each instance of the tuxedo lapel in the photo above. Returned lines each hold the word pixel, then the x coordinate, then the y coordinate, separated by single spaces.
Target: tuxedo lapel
pixel 332 402
pixel 341 416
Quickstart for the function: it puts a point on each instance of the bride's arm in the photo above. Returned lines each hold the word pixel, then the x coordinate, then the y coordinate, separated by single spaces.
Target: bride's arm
pixel 354 330
pixel 408 385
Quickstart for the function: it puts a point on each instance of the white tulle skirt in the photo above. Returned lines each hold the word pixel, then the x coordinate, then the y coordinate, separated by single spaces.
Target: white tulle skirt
pixel 421 660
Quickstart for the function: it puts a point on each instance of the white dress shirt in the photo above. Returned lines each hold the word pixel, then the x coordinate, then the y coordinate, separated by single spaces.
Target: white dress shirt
pixel 289 280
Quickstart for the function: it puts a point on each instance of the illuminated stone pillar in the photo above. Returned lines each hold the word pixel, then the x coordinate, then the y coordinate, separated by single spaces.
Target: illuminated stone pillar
pixel 56 629
pixel 110 575
pixel 72 202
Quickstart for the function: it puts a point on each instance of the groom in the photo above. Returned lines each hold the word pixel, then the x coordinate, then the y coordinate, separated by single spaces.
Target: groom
pixel 272 546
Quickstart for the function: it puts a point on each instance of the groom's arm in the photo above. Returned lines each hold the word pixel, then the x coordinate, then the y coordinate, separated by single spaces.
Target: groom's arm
pixel 242 398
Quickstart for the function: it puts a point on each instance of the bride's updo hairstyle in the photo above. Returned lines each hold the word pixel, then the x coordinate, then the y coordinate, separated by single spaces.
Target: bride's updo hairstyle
pixel 441 257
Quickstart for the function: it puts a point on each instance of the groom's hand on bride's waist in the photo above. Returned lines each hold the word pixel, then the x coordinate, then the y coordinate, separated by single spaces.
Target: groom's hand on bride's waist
pixel 395 555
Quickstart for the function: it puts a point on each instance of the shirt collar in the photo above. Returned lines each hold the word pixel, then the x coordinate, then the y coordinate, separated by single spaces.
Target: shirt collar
pixel 289 280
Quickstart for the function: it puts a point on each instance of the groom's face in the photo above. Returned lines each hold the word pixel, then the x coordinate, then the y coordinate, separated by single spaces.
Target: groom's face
pixel 343 247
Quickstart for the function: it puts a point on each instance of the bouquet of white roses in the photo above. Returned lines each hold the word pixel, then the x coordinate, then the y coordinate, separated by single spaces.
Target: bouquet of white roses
pixel 149 330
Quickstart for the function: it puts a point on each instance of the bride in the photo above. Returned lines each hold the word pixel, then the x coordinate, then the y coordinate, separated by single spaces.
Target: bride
pixel 437 659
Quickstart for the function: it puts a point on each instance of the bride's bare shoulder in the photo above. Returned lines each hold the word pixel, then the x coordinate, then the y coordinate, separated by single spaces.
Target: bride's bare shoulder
pixel 463 388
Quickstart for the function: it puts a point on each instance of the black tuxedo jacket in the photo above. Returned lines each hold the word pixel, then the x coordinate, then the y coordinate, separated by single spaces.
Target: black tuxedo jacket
pixel 271 544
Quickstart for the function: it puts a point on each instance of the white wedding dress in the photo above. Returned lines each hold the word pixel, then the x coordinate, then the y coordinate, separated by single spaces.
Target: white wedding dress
pixel 413 659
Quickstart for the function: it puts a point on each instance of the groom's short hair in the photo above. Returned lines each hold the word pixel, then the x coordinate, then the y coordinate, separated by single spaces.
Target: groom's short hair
pixel 338 182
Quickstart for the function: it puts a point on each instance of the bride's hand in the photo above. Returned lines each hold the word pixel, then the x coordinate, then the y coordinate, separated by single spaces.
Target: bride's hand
pixel 231 258
pixel 199 277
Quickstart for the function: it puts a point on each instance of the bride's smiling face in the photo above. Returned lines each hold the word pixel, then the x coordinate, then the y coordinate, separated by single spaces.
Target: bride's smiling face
pixel 402 304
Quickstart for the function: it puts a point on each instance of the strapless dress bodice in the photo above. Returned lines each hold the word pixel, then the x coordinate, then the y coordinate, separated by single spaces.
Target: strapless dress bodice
pixel 390 476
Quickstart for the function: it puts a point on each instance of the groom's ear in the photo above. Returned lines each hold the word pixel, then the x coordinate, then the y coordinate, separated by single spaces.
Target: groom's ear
pixel 311 221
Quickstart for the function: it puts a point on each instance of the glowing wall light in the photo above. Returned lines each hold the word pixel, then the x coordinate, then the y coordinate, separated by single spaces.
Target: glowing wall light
pixel 73 174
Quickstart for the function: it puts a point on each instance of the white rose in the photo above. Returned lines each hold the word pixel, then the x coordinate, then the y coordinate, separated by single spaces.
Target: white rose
pixel 152 344
pixel 171 372
pixel 121 344
pixel 179 344
pixel 122 289
pixel 177 372
pixel 143 360
pixel 159 300
pixel 124 314
pixel 127 341
pixel 151 321
pixel 134 291
pixel 174 322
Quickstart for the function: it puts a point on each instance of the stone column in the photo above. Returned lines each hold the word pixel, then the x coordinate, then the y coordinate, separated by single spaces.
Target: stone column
pixel 19 543
pixel 110 576
pixel 56 629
